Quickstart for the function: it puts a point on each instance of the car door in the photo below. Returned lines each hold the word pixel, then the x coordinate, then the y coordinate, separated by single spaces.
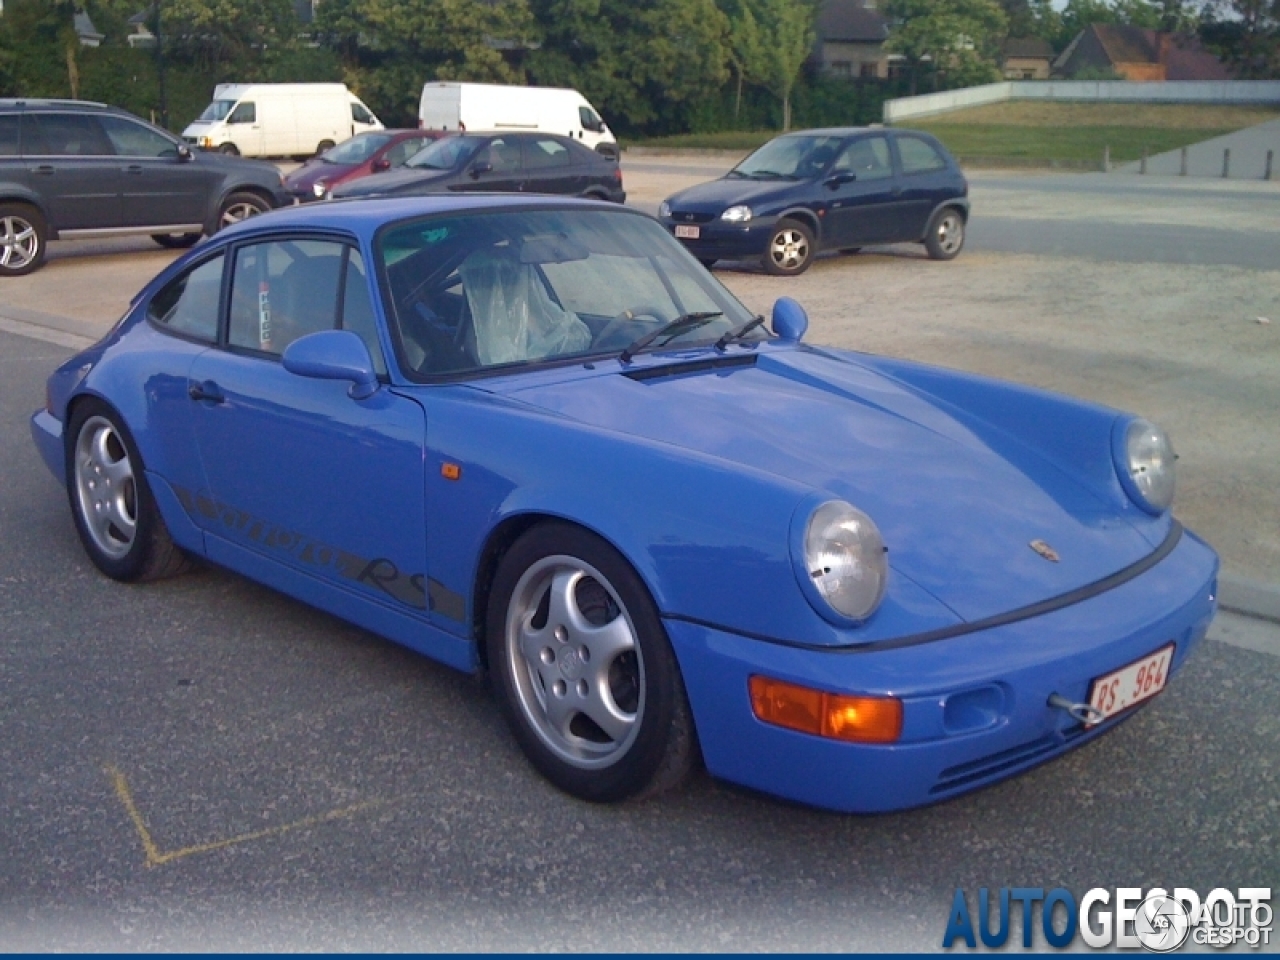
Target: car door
pixel 925 179
pixel 861 193
pixel 496 168
pixel 548 168
pixel 245 129
pixel 300 474
pixel 74 168
pixel 160 188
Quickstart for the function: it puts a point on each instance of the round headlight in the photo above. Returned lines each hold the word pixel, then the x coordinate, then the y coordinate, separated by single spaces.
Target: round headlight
pixel 844 556
pixel 739 214
pixel 1148 465
pixel 318 188
pixel 664 209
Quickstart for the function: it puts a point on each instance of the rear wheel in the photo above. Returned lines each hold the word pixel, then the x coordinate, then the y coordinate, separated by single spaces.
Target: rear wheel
pixel 115 514
pixel 176 241
pixel 241 206
pixel 945 235
pixel 791 249
pixel 585 674
pixel 23 239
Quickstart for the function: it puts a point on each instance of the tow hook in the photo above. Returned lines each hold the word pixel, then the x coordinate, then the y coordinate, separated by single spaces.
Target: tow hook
pixel 1089 716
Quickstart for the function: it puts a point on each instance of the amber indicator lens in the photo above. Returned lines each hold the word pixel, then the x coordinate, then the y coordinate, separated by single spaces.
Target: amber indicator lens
pixel 830 715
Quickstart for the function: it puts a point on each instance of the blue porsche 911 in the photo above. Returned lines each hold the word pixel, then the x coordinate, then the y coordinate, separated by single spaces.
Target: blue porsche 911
pixel 534 437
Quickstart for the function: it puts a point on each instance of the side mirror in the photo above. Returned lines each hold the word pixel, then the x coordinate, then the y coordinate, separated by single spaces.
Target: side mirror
pixel 841 178
pixel 479 168
pixel 333 355
pixel 184 153
pixel 379 165
pixel 789 320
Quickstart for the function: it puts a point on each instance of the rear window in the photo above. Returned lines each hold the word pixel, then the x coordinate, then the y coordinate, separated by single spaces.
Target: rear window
pixel 540 154
pixel 918 156
pixel 8 135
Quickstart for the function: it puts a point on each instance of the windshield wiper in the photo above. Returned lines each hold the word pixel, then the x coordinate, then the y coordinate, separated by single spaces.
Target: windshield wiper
pixel 731 335
pixel 736 173
pixel 681 324
pixel 773 175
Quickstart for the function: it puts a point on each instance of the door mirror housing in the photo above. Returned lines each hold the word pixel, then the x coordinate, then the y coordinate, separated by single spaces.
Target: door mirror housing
pixel 379 165
pixel 184 153
pixel 479 168
pixel 789 320
pixel 333 355
pixel 840 179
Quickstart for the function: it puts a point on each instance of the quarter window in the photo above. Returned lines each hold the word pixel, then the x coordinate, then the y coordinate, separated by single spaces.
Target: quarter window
pixel 546 153
pixel 189 304
pixel 919 156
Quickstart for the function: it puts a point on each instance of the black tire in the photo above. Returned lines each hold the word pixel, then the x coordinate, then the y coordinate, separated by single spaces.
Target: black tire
pixel 176 241
pixel 230 149
pixel 945 235
pixel 114 512
pixel 602 646
pixel 791 249
pixel 240 206
pixel 324 145
pixel 707 262
pixel 24 239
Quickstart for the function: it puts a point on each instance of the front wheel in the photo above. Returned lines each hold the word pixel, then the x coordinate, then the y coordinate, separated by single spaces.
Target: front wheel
pixel 230 149
pixel 176 241
pixel 241 206
pixel 791 249
pixel 583 669
pixel 23 239
pixel 115 514
pixel 945 235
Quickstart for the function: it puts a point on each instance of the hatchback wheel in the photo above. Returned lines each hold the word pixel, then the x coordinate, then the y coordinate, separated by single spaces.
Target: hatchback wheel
pixel 176 241
pixel 22 239
pixel 945 236
pixel 241 206
pixel 584 670
pixel 791 249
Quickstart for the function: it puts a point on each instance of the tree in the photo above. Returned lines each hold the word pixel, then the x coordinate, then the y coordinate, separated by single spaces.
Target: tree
pixel 747 55
pixel 213 33
pixel 1245 33
pixel 960 39
pixel 787 37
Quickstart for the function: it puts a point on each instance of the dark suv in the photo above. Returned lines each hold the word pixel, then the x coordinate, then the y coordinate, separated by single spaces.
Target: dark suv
pixel 70 168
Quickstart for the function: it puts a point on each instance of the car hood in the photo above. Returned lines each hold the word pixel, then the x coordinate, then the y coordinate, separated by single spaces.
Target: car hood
pixel 957 515
pixel 716 195
pixel 393 181
pixel 306 175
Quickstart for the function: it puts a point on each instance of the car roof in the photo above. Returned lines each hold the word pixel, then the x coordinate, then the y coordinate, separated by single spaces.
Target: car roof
pixel 43 103
pixel 365 215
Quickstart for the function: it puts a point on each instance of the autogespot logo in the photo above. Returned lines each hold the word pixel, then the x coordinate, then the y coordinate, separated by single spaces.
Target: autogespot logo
pixel 1128 918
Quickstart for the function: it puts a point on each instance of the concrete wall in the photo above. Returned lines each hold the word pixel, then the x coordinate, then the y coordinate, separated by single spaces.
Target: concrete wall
pixel 1113 91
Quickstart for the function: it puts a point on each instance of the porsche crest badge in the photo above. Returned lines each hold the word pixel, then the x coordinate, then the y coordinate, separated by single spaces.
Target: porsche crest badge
pixel 1046 551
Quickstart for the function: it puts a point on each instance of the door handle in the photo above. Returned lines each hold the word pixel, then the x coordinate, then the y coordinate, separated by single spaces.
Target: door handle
pixel 45 169
pixel 134 168
pixel 207 391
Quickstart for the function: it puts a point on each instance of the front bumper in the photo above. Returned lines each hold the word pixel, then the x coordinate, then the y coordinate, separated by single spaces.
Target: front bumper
pixel 975 707
pixel 722 240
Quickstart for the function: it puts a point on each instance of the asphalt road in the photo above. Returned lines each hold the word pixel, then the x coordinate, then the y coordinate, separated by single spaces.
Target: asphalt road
pixel 204 764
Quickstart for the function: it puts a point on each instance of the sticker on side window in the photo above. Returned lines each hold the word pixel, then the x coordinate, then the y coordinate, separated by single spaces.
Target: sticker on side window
pixel 264 316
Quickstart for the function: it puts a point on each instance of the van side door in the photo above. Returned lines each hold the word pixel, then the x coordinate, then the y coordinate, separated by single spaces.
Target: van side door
pixel 244 129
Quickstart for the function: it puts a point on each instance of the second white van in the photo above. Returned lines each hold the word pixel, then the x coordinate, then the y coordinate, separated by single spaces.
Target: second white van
pixel 279 119
pixel 489 106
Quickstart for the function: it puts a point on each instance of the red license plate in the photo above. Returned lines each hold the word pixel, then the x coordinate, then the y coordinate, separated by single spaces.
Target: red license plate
pixel 1130 685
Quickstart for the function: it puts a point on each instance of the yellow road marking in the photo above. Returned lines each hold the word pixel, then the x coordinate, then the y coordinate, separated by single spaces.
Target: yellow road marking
pixel 155 857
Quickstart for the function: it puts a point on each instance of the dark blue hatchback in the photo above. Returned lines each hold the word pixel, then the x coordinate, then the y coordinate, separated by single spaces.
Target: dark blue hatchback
pixel 813 190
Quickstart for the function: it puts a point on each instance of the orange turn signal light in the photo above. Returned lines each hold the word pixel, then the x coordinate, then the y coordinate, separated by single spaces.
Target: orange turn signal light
pixel 830 715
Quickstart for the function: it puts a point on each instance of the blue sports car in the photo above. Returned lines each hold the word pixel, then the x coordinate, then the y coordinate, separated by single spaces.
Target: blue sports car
pixel 534 437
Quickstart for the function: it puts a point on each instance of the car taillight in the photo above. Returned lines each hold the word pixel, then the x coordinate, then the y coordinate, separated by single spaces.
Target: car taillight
pixel 617 175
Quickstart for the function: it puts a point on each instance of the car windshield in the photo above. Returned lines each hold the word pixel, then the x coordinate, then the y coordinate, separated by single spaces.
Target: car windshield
pixel 356 150
pixel 789 158
pixel 215 111
pixel 445 153
pixel 490 289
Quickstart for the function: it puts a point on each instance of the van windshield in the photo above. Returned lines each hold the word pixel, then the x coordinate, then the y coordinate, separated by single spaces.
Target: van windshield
pixel 444 154
pixel 215 111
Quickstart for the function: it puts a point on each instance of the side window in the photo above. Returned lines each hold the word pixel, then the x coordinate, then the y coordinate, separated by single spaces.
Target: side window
pixel 587 117
pixel 867 157
pixel 283 290
pixel 541 154
pixel 919 156
pixel 9 135
pixel 189 304
pixel 134 140
pixel 502 154
pixel 70 135
pixel 244 113
pixel 360 115
pixel 357 309
pixel 403 150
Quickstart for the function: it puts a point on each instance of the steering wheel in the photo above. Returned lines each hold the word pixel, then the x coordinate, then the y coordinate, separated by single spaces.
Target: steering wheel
pixel 630 315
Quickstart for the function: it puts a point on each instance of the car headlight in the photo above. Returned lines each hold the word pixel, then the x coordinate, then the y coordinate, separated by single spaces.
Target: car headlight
pixel 318 188
pixel 1145 462
pixel 739 214
pixel 845 559
pixel 664 209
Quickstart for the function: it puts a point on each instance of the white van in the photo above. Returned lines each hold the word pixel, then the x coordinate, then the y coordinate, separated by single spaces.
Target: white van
pixel 488 106
pixel 279 119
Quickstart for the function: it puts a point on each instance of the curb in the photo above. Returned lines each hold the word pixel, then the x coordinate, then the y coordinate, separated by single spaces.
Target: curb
pixel 1252 598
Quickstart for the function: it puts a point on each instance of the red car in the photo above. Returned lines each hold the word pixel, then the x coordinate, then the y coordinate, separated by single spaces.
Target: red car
pixel 363 154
